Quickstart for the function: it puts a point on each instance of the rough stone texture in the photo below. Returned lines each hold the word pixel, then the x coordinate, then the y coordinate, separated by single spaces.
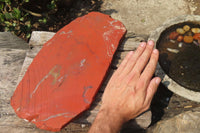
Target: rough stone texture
pixel 187 122
pixel 12 54
pixel 39 36
pixel 178 105
pixel 144 16
pixel 139 124
pixel 166 80
pixel 10 41
pixel 65 75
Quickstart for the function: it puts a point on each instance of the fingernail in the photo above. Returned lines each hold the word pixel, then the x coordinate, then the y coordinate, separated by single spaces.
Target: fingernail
pixel 155 51
pixel 158 81
pixel 130 53
pixel 142 44
pixel 150 42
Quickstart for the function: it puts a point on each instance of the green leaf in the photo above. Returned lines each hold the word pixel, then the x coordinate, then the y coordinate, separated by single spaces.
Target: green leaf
pixel 26 14
pixel 8 2
pixel 40 20
pixel 8 23
pixel 6 29
pixel 52 5
pixel 8 16
pixel 2 17
pixel 21 19
pixel 1 6
pixel 16 13
pixel 29 25
pixel 28 35
pixel 2 0
pixel 14 24
pixel 44 20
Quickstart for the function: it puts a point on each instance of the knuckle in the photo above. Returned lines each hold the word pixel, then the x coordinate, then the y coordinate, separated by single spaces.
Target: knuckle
pixel 143 80
pixel 134 75
pixel 141 85
pixel 148 51
pixel 149 47
pixel 140 49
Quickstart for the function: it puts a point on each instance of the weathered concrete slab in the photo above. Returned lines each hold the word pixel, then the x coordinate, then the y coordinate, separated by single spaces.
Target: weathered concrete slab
pixel 10 41
pixel 143 16
pixel 12 54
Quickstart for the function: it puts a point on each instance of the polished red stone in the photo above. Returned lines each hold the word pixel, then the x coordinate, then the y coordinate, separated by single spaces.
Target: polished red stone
pixel 66 74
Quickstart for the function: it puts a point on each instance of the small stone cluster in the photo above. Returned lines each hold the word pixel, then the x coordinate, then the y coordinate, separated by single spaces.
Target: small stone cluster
pixel 186 34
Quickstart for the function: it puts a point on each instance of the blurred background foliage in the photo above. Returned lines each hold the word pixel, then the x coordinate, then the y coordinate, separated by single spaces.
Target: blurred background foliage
pixel 21 17
pixel 16 16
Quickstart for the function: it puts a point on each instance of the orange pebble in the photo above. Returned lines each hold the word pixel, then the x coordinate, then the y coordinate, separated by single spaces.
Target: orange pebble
pixel 179 38
pixel 196 36
pixel 188 39
pixel 173 35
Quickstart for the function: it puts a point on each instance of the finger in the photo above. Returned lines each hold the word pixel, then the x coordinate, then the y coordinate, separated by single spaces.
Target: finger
pixel 147 74
pixel 151 90
pixel 124 63
pixel 151 66
pixel 144 58
pixel 134 58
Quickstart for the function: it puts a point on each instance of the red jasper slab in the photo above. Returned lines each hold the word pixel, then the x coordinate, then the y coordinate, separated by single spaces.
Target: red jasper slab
pixel 66 74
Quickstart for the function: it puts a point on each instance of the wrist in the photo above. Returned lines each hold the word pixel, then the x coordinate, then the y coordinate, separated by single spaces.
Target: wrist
pixel 111 119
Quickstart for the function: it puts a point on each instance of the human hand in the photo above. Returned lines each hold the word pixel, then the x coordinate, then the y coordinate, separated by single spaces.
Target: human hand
pixel 130 90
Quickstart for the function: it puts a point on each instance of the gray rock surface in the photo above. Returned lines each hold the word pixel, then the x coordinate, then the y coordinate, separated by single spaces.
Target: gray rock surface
pixel 144 16
pixel 12 54
pixel 187 122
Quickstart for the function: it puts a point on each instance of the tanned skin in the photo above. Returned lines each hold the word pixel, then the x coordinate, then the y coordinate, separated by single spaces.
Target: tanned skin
pixel 129 91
